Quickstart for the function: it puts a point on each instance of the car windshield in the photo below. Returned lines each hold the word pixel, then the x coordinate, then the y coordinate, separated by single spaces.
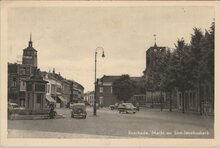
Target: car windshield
pixel 129 104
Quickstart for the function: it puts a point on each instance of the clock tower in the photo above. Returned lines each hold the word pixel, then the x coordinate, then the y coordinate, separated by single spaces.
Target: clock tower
pixel 30 55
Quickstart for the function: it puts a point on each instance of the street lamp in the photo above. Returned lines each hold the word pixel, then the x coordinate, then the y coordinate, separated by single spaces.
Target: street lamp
pixel 103 55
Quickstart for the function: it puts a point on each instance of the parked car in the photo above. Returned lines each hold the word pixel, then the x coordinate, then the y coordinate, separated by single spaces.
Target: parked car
pixel 14 108
pixel 113 107
pixel 126 108
pixel 79 110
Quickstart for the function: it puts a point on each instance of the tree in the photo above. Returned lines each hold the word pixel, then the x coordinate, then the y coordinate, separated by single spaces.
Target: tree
pixel 182 69
pixel 168 75
pixel 123 88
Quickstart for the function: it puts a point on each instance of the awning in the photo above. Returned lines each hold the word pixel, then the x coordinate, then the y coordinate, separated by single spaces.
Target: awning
pixel 50 99
pixel 62 99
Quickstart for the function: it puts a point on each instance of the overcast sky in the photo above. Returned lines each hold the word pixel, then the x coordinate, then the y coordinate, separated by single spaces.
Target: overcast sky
pixel 66 37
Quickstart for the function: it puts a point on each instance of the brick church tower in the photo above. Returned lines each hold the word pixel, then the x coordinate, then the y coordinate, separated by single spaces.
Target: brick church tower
pixel 30 55
pixel 152 57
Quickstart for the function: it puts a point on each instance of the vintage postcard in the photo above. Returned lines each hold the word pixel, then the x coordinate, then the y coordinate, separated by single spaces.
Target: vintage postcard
pixel 109 73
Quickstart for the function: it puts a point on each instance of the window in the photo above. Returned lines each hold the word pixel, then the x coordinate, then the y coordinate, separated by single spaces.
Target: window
pixel 28 100
pixel 101 89
pixel 48 88
pixel 111 90
pixel 14 82
pixel 180 98
pixel 22 71
pixel 59 89
pixel 52 88
pixel 29 87
pixel 194 99
pixel 39 96
pixel 22 102
pixel 101 100
pixel 191 99
pixel 39 87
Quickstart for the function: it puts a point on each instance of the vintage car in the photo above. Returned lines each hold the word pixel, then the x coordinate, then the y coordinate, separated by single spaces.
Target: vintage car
pixel 127 108
pixel 113 107
pixel 78 110
pixel 13 107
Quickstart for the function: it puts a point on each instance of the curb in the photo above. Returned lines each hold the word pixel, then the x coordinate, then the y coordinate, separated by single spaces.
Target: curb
pixel 33 117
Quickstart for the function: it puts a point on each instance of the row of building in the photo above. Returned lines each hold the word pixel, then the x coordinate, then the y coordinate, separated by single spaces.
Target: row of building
pixel 153 99
pixel 34 89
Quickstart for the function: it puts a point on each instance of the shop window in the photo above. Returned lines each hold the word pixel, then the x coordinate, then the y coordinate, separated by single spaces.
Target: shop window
pixel 22 102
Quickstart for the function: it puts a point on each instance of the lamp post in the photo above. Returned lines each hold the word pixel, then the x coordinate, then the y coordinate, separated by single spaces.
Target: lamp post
pixel 103 55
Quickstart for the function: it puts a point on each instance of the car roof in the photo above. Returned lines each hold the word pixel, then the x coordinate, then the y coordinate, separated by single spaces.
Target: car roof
pixel 78 104
pixel 12 103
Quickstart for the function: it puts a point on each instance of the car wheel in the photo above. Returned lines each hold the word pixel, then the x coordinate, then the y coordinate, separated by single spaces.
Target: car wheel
pixel 85 117
pixel 72 115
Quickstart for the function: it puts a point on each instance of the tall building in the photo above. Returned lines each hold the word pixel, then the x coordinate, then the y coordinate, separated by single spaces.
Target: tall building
pixel 30 55
pixel 152 58
pixel 89 97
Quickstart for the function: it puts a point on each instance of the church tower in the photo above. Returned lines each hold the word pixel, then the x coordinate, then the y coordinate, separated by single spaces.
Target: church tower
pixel 30 55
pixel 152 57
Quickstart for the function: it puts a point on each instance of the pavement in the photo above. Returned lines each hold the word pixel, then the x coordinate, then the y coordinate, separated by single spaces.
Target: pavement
pixel 33 117
pixel 39 134
pixel 147 123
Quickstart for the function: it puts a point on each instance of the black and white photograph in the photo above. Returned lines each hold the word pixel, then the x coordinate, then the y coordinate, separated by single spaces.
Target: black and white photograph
pixel 100 71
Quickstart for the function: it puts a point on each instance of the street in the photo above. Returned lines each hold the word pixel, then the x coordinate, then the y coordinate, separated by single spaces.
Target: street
pixel 146 123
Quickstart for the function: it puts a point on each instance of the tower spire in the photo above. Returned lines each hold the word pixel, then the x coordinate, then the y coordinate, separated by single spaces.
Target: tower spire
pixel 30 42
pixel 155 40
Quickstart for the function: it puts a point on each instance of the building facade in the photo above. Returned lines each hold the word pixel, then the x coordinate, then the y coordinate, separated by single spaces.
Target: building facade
pixel 26 87
pixel 19 73
pixel 104 91
pixel 89 97
pixel 77 91
pixel 193 101
pixel 62 91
